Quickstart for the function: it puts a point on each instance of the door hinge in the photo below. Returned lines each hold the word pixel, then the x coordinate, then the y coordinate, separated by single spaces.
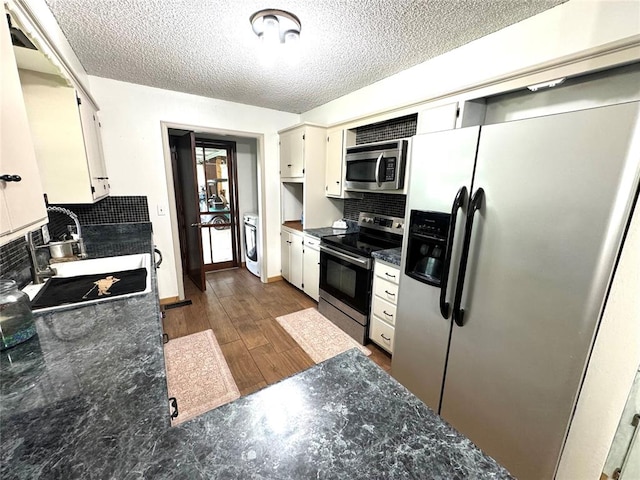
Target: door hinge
pixel 327 139
pixel 93 189
pixel 78 99
pixel 303 285
pixel 303 170
pixel 303 136
pixel 457 113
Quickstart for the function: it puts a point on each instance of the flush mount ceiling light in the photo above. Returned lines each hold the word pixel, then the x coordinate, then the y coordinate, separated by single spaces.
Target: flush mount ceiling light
pixel 276 26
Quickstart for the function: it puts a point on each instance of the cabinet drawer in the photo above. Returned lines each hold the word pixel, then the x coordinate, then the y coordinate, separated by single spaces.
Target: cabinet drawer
pixel 386 290
pixel 384 310
pixel 382 334
pixel 312 242
pixel 387 272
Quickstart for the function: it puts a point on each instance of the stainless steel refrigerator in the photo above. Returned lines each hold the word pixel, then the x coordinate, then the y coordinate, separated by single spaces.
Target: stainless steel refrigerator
pixel 502 293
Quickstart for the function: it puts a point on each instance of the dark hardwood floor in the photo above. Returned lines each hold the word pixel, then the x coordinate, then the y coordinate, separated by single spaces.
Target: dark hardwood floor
pixel 242 313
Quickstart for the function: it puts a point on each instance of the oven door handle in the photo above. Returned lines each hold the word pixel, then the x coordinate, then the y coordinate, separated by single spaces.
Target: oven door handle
pixel 362 262
pixel 378 169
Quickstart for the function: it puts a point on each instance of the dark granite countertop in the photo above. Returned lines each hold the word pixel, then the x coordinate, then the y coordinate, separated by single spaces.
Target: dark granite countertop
pixel 352 227
pixel 87 398
pixel 392 255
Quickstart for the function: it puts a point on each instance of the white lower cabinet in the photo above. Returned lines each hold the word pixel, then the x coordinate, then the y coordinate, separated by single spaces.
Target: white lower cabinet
pixel 300 260
pixel 383 304
pixel 291 257
pixel 311 267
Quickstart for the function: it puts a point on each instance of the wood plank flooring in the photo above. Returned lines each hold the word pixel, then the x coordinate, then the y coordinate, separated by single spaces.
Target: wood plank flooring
pixel 242 313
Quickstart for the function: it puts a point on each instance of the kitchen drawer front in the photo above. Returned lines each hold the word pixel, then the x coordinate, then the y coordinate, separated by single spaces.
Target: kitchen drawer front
pixel 384 310
pixel 386 290
pixel 382 334
pixel 312 242
pixel 387 272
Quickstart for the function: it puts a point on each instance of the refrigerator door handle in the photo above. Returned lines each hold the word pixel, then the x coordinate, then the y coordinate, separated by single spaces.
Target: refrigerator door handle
pixel 458 203
pixel 475 204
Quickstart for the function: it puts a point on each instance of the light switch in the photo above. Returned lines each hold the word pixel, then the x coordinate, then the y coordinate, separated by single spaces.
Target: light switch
pixel 162 210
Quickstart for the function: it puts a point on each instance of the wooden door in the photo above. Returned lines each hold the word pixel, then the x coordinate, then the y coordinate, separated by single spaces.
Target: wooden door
pixel 186 159
pixel 217 190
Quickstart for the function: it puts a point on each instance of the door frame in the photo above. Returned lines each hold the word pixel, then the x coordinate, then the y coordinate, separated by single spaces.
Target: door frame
pixel 173 218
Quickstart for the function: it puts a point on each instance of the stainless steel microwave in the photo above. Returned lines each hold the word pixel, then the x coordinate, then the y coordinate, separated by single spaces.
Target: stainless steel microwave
pixel 376 166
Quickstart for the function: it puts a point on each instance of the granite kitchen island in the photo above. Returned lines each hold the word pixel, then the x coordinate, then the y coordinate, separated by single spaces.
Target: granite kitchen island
pixel 87 398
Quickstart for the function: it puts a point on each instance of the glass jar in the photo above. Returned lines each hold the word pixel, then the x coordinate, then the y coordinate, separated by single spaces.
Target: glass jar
pixel 16 320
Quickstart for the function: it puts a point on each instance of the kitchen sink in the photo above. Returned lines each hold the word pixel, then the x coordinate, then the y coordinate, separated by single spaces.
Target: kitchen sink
pixel 57 291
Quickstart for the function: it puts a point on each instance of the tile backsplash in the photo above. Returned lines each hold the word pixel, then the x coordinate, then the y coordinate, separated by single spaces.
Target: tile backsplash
pixel 381 203
pixel 14 256
pixel 401 127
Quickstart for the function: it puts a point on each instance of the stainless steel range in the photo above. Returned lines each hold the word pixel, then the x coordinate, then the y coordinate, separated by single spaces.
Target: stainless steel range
pixel 346 271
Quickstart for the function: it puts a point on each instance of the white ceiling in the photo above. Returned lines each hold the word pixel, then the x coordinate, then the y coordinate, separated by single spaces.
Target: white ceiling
pixel 207 47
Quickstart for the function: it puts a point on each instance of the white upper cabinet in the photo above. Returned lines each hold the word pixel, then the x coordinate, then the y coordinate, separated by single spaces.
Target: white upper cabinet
pixel 22 205
pixel 292 153
pixel 337 142
pixel 66 137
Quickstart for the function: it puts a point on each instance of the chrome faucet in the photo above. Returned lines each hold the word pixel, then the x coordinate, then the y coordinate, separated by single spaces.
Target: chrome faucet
pixel 37 274
pixel 82 253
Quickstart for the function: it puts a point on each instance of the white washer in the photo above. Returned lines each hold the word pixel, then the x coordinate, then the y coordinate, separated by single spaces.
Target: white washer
pixel 251 236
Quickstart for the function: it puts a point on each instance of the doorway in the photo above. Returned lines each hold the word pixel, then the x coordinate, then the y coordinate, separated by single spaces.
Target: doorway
pixel 206 190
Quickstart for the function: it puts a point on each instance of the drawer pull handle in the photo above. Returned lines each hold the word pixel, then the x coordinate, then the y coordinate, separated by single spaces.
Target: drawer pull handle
pixel 174 403
pixel 389 293
pixel 385 338
pixel 387 314
pixel 389 275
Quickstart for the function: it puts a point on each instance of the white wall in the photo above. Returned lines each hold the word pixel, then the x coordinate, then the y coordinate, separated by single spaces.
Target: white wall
pixel 569 29
pixel 131 133
pixel 247 164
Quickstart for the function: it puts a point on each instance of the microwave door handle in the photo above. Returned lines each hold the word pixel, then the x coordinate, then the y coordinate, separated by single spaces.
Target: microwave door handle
pixel 458 203
pixel 378 169
pixel 475 204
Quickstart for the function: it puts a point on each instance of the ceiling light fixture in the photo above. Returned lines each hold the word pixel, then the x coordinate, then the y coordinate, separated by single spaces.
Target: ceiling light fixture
pixel 550 84
pixel 276 26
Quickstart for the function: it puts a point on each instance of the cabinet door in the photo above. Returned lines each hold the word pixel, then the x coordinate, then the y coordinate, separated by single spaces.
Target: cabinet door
pixel 295 268
pixel 22 201
pixel 285 249
pixel 292 153
pixel 93 147
pixel 311 272
pixel 333 175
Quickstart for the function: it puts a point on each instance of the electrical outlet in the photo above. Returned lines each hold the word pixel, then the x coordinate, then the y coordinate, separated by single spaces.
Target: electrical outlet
pixel 45 234
pixel 162 210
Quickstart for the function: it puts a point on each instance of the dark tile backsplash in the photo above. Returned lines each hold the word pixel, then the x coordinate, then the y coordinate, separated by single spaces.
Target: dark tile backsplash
pixel 14 257
pixel 381 203
pixel 112 210
pixel 393 129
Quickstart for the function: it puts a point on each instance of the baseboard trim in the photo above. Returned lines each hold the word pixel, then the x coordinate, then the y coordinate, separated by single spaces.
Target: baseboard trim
pixel 274 279
pixel 164 301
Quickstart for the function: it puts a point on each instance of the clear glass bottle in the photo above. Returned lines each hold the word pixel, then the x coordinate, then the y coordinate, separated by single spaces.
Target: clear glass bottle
pixel 16 319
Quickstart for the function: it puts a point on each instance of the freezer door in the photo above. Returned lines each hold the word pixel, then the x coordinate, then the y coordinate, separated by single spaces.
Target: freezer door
pixel 558 193
pixel 441 163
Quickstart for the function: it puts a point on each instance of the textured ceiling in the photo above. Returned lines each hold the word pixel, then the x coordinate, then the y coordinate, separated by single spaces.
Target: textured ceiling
pixel 207 47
